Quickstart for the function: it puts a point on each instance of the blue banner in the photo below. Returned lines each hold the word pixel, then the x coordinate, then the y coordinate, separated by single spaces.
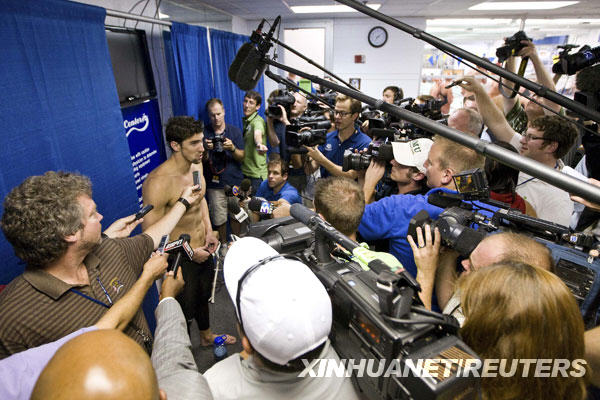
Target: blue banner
pixel 142 125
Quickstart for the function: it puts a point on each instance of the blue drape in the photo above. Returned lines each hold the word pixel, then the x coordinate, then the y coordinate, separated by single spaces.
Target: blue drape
pixel 224 46
pixel 59 108
pixel 186 50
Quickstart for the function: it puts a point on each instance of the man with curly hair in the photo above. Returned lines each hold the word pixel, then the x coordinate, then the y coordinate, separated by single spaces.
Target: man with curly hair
pixel 546 140
pixel 73 272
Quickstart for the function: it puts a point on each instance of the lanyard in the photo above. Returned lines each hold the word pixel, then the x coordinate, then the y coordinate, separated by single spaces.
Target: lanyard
pixel 110 302
pixel 530 179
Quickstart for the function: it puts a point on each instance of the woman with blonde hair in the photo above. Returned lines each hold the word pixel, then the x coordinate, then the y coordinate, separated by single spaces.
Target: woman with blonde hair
pixel 514 312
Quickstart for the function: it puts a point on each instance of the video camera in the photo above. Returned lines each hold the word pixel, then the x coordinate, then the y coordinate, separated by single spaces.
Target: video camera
pixel 315 135
pixel 512 46
pixel 377 316
pixel 285 99
pixel 462 227
pixel 571 63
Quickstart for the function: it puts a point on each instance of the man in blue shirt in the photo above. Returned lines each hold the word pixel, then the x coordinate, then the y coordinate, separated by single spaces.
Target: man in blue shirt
pixel 221 167
pixel 389 217
pixel 276 188
pixel 329 156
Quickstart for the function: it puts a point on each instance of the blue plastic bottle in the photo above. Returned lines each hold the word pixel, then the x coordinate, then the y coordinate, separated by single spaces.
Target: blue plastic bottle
pixel 219 348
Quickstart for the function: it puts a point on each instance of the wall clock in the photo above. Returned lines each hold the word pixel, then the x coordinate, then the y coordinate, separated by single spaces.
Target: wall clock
pixel 378 36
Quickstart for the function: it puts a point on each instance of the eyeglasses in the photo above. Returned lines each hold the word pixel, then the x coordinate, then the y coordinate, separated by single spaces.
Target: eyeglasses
pixel 250 271
pixel 529 137
pixel 341 113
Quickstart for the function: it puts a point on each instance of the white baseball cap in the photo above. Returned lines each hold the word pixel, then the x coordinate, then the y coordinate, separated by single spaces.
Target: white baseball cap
pixel 413 153
pixel 285 309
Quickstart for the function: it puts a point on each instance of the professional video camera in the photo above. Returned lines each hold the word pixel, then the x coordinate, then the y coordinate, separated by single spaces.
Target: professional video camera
pixel 571 63
pixel 284 99
pixel 357 161
pixel 512 46
pixel 378 316
pixel 315 135
pixel 463 225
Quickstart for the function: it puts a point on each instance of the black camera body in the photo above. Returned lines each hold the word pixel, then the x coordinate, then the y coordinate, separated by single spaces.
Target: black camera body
pixel 512 46
pixel 362 332
pixel 218 142
pixel 381 151
pixel 306 131
pixel 286 99
pixel 571 63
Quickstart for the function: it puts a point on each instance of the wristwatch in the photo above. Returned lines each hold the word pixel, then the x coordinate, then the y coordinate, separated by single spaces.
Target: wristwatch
pixel 185 203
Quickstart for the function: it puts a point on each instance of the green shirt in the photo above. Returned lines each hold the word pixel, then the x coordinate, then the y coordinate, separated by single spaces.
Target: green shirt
pixel 254 165
pixel 517 118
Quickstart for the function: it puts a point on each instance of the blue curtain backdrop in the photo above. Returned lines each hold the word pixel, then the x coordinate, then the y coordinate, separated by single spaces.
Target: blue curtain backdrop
pixel 224 46
pixel 59 108
pixel 186 51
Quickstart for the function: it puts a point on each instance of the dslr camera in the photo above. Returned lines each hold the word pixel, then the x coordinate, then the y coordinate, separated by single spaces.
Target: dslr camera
pixel 512 46
pixel 218 142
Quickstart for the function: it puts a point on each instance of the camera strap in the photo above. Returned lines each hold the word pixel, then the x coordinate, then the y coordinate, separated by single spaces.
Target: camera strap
pixel 515 89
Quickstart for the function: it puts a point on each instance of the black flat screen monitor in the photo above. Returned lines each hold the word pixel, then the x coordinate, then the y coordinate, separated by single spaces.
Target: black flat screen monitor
pixel 131 64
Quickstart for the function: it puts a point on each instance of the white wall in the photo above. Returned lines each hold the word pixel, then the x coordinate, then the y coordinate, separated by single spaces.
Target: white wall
pixel 398 62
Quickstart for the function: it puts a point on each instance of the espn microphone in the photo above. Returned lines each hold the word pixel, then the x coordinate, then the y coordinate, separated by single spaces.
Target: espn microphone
pixel 178 248
pixel 261 206
pixel 233 206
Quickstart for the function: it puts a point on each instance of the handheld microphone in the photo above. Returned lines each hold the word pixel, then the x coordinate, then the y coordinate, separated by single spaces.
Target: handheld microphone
pixel 179 247
pixel 261 206
pixel 233 206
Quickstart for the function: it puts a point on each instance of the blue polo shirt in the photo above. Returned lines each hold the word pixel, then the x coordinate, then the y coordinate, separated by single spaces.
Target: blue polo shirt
pixel 223 169
pixel 333 149
pixel 388 218
pixel 287 192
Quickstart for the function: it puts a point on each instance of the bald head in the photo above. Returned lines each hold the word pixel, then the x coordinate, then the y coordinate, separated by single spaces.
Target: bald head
pixel 102 364
pixel 508 246
pixel 466 120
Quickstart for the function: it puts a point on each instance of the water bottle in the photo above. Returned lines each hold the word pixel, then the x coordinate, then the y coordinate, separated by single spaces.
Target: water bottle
pixel 219 348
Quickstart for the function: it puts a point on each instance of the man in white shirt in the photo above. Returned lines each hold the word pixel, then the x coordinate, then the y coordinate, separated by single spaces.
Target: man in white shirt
pixel 547 139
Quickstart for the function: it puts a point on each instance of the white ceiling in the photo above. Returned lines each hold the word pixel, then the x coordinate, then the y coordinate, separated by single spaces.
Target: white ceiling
pixel 257 9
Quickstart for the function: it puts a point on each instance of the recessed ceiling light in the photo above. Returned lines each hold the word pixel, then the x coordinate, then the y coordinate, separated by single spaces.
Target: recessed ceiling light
pixel 521 5
pixel 467 21
pixel 162 16
pixel 328 9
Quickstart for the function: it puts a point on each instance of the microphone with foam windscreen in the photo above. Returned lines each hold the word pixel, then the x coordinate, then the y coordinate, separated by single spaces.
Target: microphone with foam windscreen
pixel 250 70
pixel 240 57
pixel 261 206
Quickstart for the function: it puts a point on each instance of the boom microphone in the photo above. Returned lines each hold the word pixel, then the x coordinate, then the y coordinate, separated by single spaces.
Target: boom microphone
pixel 240 57
pixel 250 70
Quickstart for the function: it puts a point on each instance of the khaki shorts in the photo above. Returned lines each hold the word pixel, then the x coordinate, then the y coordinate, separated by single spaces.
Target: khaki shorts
pixel 217 206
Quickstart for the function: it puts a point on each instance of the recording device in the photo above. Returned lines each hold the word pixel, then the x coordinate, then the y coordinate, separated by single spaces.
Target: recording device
pixel 233 206
pixel 512 46
pixel 178 248
pixel 571 63
pixel 376 314
pixel 163 242
pixel 217 143
pixel 315 135
pixel 145 210
pixel 463 227
pixel 197 181
pixel 248 65
pixel 242 192
pixel 261 206
pixel 286 100
pixel 379 151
